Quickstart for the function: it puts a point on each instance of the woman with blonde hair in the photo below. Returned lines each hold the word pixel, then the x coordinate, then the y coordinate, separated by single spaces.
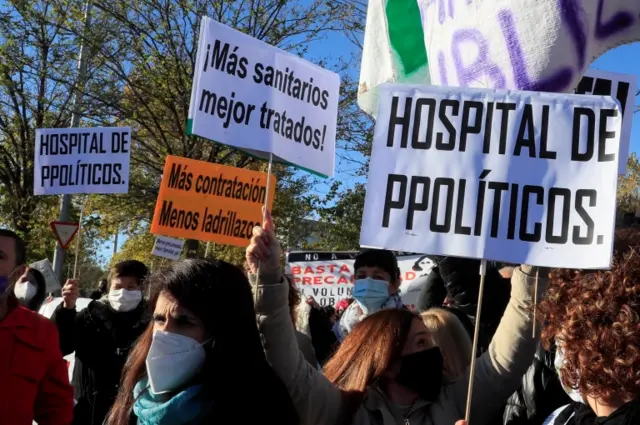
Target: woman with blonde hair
pixel 387 371
pixel 446 331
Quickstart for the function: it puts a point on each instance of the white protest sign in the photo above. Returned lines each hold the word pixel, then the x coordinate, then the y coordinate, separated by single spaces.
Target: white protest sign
pixel 261 99
pixel 168 248
pixel 44 267
pixel 328 276
pixel 538 45
pixel 511 176
pixel 621 87
pixel 393 50
pixel 82 160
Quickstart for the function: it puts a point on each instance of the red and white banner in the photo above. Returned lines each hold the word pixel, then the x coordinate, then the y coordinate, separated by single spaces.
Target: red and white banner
pixel 328 276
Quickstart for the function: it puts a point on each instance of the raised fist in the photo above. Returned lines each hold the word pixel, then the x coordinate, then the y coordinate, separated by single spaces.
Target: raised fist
pixel 70 294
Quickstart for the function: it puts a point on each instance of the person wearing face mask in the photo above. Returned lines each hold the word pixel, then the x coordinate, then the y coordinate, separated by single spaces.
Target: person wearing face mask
pixel 376 287
pixel 387 370
pixel 33 375
pixel 101 335
pixel 593 317
pixel 201 359
pixel 30 289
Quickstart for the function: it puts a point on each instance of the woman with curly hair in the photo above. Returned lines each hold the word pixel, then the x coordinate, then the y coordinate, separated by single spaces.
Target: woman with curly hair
pixel 594 319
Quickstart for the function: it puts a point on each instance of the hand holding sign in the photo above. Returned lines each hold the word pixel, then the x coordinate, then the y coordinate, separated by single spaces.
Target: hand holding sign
pixel 264 251
pixel 70 294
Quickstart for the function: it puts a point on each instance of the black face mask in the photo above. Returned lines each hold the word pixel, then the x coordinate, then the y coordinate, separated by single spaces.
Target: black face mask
pixel 421 373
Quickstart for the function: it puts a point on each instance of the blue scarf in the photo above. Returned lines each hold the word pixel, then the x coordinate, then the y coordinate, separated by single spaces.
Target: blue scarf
pixel 184 408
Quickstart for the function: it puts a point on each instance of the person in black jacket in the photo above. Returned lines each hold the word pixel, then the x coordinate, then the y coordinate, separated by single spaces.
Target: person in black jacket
pixel 101 336
pixel 101 291
pixel 540 395
pixel 454 282
pixel 323 339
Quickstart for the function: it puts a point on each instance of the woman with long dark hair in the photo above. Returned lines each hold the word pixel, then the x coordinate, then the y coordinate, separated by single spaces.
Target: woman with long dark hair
pixel 201 360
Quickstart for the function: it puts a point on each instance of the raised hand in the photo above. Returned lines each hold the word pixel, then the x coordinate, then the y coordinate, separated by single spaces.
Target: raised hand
pixel 70 294
pixel 264 251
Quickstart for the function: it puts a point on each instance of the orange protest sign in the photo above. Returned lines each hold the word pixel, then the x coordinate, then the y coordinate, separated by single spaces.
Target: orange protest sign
pixel 210 202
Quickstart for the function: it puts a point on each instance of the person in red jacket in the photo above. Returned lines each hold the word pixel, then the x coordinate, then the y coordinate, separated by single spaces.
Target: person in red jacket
pixel 33 375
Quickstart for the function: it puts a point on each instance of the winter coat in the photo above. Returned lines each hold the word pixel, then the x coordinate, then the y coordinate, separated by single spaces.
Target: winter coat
pixel 458 279
pixel 101 339
pixel 541 393
pixel 498 372
pixel 34 376
pixel 306 348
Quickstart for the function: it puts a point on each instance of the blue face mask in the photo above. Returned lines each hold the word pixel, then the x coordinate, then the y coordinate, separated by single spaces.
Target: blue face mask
pixel 371 294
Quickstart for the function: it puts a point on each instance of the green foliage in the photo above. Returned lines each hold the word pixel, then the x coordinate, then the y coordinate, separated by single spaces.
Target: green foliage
pixel 141 58
pixel 37 72
pixel 628 196
pixel 341 218
pixel 139 247
pixel 150 89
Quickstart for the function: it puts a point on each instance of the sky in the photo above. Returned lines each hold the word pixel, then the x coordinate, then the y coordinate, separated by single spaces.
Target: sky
pixel 623 59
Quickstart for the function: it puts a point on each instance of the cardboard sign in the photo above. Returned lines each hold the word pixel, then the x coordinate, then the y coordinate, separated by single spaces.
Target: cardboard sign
pixel 621 87
pixel 50 278
pixel 328 278
pixel 261 99
pixel 167 248
pixel 510 176
pixel 82 160
pixel 210 202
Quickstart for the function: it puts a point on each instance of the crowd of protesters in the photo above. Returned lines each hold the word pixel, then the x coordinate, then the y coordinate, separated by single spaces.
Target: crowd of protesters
pixel 204 342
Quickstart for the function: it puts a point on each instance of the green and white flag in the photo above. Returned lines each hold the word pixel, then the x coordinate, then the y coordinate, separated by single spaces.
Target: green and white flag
pixel 394 49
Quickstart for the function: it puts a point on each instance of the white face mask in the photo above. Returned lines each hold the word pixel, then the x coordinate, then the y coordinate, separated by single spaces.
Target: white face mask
pixel 173 360
pixel 124 300
pixel 24 292
pixel 558 362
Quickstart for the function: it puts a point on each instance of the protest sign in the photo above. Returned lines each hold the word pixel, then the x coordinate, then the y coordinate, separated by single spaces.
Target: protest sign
pixel 328 276
pixel 621 87
pixel 82 160
pixel 210 202
pixel 511 176
pixel 491 44
pixel 167 248
pixel 44 267
pixel 393 50
pixel 261 99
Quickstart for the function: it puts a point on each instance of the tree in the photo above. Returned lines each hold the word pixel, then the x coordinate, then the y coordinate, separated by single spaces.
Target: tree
pixel 139 247
pixel 37 76
pixel 146 84
pixel 34 57
pixel 341 218
pixel 628 195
